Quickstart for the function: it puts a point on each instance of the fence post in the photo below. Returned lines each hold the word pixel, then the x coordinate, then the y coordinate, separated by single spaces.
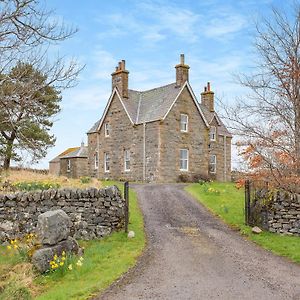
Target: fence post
pixel 247 201
pixel 126 197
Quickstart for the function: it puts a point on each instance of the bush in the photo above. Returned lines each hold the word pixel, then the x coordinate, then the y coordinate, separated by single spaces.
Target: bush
pixel 201 178
pixel 85 179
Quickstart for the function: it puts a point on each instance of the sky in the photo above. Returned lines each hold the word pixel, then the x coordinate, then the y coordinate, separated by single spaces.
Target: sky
pixel 215 36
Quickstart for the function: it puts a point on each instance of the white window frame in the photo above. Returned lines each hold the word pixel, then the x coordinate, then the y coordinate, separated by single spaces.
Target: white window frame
pixel 213 164
pixel 106 129
pixel 96 160
pixel 213 133
pixel 127 160
pixel 184 124
pixel 69 165
pixel 106 162
pixel 181 159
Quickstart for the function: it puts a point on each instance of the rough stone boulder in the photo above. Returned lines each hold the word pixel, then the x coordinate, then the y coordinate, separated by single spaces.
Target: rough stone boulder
pixel 53 227
pixel 42 257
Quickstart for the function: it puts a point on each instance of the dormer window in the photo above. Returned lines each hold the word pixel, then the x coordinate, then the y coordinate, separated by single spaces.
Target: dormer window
pixel 184 119
pixel 106 129
pixel 213 133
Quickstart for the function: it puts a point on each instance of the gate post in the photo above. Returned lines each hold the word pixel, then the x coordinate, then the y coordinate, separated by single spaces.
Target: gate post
pixel 247 202
pixel 126 197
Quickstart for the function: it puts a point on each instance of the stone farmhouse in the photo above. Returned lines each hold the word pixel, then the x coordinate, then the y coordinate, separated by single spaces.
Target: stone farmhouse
pixel 160 134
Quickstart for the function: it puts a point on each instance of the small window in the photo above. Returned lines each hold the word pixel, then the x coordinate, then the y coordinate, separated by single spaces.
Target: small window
pixel 184 159
pixel 184 119
pixel 212 133
pixel 213 164
pixel 106 129
pixel 106 162
pixel 96 160
pixel 126 160
pixel 69 165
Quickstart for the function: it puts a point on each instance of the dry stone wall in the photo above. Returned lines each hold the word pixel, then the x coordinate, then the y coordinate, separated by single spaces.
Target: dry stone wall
pixel 94 213
pixel 284 214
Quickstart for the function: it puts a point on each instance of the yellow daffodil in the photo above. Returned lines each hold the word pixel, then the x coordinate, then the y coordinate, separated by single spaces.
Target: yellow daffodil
pixel 61 263
pixel 70 267
pixel 15 246
pixel 63 258
pixel 81 258
pixel 79 263
pixel 63 253
pixel 55 257
pixel 9 247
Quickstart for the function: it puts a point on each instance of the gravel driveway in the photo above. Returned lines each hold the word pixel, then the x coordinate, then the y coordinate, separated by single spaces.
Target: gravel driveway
pixel 192 255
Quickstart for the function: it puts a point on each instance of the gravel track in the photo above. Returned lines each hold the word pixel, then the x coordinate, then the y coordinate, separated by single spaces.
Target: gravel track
pixel 192 255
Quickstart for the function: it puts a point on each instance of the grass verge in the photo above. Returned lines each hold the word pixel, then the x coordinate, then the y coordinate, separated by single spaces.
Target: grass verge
pixel 227 202
pixel 104 261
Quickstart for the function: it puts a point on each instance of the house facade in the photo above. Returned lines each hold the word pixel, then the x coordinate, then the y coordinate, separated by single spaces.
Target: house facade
pixel 160 134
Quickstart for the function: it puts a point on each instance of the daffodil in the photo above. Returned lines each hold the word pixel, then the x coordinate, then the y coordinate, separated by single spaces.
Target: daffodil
pixel 61 263
pixel 63 258
pixel 81 258
pixel 63 253
pixel 9 247
pixel 79 263
pixel 55 257
pixel 70 267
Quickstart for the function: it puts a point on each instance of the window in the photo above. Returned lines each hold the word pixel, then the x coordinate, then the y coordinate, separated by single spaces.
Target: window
pixel 96 160
pixel 184 119
pixel 213 164
pixel 106 129
pixel 69 165
pixel 126 160
pixel 212 133
pixel 106 162
pixel 184 159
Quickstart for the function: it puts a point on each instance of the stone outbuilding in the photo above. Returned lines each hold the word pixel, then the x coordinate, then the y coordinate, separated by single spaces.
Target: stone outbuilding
pixel 71 163
pixel 159 134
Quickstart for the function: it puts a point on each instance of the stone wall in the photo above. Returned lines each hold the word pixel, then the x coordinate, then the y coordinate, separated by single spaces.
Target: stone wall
pixel 172 140
pixel 283 215
pixel 94 213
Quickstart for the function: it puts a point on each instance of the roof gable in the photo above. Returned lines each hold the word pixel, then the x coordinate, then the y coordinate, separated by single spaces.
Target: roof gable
pixel 187 85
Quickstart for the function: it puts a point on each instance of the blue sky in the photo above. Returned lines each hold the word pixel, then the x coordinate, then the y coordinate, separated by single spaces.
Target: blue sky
pixel 215 36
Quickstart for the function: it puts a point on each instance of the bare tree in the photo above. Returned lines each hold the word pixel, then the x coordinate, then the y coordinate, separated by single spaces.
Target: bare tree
pixel 267 121
pixel 27 31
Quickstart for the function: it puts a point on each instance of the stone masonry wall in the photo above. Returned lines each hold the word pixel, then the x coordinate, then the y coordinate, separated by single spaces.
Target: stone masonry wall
pixel 94 213
pixel 172 140
pixel 284 214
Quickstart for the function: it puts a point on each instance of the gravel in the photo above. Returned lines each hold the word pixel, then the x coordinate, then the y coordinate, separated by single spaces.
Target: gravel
pixel 192 255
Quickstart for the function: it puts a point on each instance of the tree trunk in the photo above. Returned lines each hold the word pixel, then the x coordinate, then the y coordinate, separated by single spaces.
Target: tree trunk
pixel 297 139
pixel 9 151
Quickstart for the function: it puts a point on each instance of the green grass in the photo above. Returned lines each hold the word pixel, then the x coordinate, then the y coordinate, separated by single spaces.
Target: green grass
pixel 227 202
pixel 104 261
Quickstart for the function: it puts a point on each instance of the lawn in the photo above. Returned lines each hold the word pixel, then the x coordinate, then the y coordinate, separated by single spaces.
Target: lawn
pixel 227 202
pixel 104 261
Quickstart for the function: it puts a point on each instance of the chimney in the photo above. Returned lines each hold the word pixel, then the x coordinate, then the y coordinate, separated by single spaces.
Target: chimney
pixel 182 72
pixel 207 98
pixel 120 79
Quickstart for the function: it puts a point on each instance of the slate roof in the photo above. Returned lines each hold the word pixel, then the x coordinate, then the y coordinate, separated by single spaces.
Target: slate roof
pixel 222 130
pixel 79 152
pixel 152 105
pixel 57 158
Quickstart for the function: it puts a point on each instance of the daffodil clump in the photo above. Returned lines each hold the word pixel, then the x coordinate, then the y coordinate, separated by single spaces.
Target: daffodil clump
pixel 35 185
pixel 213 191
pixel 64 263
pixel 24 246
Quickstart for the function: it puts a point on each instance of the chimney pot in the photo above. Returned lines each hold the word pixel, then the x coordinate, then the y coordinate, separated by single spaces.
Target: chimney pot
pixel 120 66
pixel 208 86
pixel 182 59
pixel 123 64
pixel 205 89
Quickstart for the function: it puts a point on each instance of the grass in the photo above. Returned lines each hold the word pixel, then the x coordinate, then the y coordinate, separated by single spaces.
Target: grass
pixel 227 202
pixel 23 177
pixel 104 261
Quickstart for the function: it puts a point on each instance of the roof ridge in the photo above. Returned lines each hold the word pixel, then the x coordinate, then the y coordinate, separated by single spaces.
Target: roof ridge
pixel 159 87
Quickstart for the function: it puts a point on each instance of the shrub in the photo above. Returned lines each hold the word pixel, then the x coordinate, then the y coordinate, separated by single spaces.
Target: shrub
pixel 184 178
pixel 85 179
pixel 201 178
